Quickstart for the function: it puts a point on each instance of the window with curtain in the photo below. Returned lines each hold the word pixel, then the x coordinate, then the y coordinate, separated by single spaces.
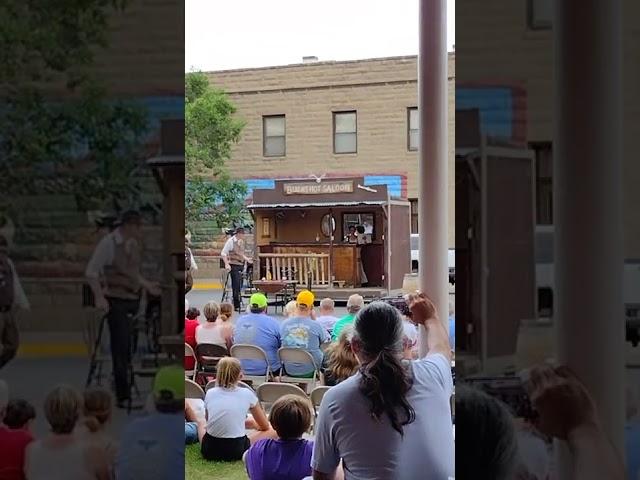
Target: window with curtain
pixel 345 132
pixel 274 137
pixel 413 131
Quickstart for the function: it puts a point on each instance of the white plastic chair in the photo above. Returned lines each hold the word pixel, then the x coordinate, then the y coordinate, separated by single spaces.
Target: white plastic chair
pixel 212 384
pixel 300 356
pixel 243 351
pixel 193 390
pixel 188 352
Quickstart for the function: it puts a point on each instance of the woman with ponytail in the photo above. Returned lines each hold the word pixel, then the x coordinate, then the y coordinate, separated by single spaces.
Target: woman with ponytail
pixel 393 418
pixel 97 412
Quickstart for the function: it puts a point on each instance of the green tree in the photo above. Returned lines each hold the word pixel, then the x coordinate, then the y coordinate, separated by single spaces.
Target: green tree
pixel 211 129
pixel 47 51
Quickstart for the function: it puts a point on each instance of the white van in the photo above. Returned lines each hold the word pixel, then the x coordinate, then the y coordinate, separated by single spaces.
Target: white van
pixel 415 256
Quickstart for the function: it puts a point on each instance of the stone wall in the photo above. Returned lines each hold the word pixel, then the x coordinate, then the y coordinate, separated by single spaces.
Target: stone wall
pixel 379 90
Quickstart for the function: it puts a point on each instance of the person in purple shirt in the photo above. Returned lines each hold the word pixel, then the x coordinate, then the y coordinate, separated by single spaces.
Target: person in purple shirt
pixel 257 328
pixel 289 456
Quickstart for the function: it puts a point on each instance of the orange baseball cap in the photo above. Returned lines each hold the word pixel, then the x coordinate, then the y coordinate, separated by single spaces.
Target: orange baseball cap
pixel 306 298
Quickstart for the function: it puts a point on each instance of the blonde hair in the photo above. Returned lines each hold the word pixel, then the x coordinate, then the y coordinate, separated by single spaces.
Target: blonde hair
pixel 97 408
pixel 342 362
pixel 62 409
pixel 228 372
pixel 226 311
pixel 290 308
pixel 211 311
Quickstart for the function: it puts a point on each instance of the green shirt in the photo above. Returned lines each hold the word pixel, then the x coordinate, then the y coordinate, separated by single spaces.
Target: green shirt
pixel 340 324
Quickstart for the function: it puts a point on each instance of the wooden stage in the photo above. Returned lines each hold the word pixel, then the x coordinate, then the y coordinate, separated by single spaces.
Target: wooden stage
pixel 341 295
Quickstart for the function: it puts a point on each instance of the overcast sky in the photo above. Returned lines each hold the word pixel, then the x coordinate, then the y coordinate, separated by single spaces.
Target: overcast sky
pixel 226 34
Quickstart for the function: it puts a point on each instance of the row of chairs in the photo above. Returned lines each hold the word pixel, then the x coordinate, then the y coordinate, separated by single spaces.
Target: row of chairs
pixel 207 356
pixel 267 393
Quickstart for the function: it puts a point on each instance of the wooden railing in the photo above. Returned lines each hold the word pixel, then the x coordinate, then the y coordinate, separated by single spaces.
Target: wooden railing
pixel 298 266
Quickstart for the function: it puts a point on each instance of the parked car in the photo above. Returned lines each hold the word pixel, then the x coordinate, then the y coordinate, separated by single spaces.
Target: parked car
pixel 415 256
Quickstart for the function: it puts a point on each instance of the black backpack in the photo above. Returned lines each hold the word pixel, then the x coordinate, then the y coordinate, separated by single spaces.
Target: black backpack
pixel 7 293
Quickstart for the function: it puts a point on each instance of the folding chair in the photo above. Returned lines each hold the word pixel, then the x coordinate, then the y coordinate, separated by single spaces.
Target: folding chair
pixel 269 392
pixel 243 351
pixel 208 355
pixel 212 384
pixel 299 356
pixel 193 390
pixel 188 352
pixel 316 396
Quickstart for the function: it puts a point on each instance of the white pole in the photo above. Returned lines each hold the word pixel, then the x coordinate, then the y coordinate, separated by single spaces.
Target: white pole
pixel 433 198
pixel 587 198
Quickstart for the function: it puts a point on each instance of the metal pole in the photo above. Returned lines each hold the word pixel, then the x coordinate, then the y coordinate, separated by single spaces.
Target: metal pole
pixel 433 198
pixel 587 201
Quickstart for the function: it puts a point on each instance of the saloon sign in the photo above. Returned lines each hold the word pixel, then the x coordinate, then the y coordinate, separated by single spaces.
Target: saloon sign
pixel 313 188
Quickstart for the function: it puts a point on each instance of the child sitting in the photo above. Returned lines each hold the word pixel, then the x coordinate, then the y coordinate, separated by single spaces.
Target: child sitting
pixel 289 456
pixel 227 406
pixel 15 437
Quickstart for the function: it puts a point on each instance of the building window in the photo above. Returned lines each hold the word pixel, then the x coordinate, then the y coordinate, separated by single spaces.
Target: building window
pixel 414 215
pixel 544 183
pixel 413 132
pixel 274 142
pixel 539 14
pixel 345 132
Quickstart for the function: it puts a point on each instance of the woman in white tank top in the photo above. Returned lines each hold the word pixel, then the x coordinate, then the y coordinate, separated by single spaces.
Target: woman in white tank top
pixel 218 329
pixel 62 455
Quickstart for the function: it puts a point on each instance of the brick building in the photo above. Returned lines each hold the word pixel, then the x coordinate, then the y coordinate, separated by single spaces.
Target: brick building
pixel 334 119
pixel 54 234
pixel 520 31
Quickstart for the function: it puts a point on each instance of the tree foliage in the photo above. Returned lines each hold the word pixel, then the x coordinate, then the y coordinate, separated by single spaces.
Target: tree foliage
pixel 56 115
pixel 211 129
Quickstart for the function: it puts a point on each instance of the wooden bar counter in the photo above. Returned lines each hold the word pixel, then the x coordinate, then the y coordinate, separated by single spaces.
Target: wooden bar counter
pixel 346 257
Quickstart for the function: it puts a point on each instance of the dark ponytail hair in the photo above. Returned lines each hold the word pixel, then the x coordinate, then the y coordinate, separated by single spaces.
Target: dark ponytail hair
pixel 384 381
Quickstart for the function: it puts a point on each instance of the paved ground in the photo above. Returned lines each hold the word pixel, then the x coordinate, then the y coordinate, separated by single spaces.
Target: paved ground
pixel 33 378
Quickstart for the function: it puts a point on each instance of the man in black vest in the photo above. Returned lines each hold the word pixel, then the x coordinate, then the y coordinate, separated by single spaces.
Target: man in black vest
pixel 114 275
pixel 233 256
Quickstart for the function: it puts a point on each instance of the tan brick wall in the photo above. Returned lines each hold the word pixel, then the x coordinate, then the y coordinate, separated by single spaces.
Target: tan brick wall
pixel 497 47
pixel 380 90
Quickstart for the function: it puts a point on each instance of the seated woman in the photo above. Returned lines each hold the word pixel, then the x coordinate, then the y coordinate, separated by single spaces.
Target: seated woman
pixel 340 362
pixel 218 329
pixel 375 421
pixel 289 456
pixel 227 406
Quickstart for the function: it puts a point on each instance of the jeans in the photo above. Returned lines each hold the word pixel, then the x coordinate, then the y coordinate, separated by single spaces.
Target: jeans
pixel 190 433
pixel 9 338
pixel 236 284
pixel 120 338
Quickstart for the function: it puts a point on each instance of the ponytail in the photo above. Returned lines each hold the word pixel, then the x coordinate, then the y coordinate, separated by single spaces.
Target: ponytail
pixel 92 424
pixel 385 384
pixel 385 380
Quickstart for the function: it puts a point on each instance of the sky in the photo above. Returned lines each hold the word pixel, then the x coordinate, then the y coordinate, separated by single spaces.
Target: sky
pixel 228 34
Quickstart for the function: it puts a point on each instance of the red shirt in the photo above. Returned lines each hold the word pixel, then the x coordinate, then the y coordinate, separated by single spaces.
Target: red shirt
pixel 13 444
pixel 190 338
